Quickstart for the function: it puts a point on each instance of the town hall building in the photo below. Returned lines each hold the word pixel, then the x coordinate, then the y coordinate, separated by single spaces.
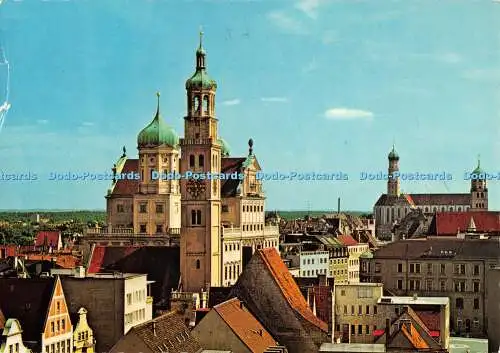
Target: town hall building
pixel 218 223
pixel 394 205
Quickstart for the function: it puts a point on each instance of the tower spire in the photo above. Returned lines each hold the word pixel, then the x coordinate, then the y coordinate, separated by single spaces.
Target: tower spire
pixel 478 160
pixel 158 104
pixel 200 54
pixel 201 37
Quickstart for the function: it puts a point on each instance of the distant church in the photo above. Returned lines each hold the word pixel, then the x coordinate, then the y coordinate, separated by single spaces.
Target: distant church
pixel 219 223
pixel 393 206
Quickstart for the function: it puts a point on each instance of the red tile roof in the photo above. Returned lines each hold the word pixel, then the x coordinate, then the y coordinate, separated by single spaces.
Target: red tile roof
pixel 288 286
pixel 46 238
pixel 127 186
pixel 448 223
pixel 8 250
pixel 245 325
pixel 63 261
pixel 440 199
pixel 101 257
pixel 347 240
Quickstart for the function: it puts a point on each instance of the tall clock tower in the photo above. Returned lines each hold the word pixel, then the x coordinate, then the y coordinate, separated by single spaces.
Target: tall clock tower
pixel 200 244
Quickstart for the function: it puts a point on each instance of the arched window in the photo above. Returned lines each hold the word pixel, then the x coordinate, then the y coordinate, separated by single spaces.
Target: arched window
pixel 443 209
pixel 482 194
pixel 196 103
pixel 198 217
pixel 198 264
pixel 193 217
pixel 191 160
pixel 460 209
pixel 427 209
pixel 201 160
pixel 205 105
pixel 434 209
pixel 451 208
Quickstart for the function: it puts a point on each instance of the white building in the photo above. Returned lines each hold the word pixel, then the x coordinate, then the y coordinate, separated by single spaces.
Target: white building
pixel 11 340
pixel 313 263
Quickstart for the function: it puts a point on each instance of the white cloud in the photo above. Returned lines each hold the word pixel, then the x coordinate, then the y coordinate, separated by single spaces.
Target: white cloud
pixel 482 75
pixel 274 99
pixel 347 114
pixel 231 102
pixel 286 23
pixel 449 58
pixel 309 7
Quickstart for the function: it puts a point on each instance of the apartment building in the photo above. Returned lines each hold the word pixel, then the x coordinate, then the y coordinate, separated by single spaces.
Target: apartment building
pixel 454 268
pixel 356 315
pixel 116 302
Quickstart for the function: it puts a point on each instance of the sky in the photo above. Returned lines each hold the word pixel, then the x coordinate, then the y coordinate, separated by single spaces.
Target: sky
pixel 320 86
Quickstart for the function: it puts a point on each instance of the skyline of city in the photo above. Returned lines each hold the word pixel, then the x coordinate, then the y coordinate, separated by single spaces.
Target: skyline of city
pixel 328 93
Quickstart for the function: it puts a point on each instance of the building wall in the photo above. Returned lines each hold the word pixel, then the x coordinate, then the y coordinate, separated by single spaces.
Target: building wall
pixel 213 333
pixel 136 308
pixel 355 306
pixel 105 301
pixel 119 211
pixel 493 309
pixel 313 263
pixel 58 331
pixel 11 339
pixel 439 277
pixel 355 252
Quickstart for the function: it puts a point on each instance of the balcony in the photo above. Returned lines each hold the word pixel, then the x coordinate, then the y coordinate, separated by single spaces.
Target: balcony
pixel 195 141
pixel 237 232
pixel 120 232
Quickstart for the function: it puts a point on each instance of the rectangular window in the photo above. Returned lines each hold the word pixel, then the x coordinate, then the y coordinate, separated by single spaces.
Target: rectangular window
pixel 345 309
pixel 429 268
pixel 353 330
pixel 443 269
pixel 429 285
pixel 159 208
pixel 414 284
pixel 360 310
pixel 400 268
pixel 120 208
pixel 225 208
pixel 374 312
pixel 63 324
pixel 367 310
pixel 476 287
pixel 442 286
pixel 476 270
pixel 142 228
pixel 352 309
pixel 360 329
pixel 52 327
pixel 159 228
pixel 400 284
pixel 142 208
pixel 129 299
pixel 476 303
pixel 460 286
pixel 367 329
pixel 460 269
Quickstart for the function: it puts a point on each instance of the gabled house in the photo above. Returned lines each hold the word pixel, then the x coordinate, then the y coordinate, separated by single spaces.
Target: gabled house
pixel 230 326
pixel 269 291
pixel 40 307
pixel 83 335
pixel 12 339
pixel 409 333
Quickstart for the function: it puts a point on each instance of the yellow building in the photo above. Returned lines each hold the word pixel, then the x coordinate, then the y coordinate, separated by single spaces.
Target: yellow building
pixel 356 312
pixel 83 335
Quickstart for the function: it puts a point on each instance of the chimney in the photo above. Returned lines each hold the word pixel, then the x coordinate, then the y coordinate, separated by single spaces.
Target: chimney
pixel 338 205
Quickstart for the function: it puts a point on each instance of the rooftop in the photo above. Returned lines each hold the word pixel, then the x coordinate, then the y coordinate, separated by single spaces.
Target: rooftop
pixel 115 275
pixel 352 347
pixel 245 325
pixel 468 345
pixel 415 300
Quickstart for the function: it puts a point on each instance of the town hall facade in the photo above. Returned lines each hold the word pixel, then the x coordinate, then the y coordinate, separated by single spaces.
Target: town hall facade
pixel 219 223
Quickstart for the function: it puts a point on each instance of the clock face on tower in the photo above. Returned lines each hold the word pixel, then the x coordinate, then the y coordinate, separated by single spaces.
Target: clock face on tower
pixel 195 187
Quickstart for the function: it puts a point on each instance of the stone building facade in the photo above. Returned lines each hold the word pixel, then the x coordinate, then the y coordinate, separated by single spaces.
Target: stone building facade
pixel 454 268
pixel 217 220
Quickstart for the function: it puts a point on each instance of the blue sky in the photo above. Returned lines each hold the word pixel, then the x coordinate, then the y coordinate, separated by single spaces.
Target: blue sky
pixel 320 86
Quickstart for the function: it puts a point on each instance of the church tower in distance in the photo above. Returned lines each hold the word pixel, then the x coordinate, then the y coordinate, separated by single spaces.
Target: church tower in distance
pixel 200 243
pixel 393 182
